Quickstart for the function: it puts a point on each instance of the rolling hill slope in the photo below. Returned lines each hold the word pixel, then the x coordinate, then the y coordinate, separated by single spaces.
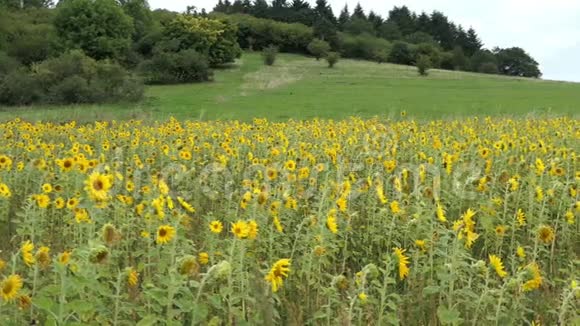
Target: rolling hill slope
pixel 298 87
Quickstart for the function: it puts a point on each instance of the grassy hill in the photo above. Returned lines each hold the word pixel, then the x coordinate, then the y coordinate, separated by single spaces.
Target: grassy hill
pixel 299 88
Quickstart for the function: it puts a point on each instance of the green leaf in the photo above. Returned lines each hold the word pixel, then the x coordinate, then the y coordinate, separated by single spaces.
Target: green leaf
pixel 431 290
pixel 448 316
pixel 148 321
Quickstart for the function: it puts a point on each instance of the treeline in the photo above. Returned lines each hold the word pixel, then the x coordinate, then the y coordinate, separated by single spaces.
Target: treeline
pixel 94 51
pixel 400 38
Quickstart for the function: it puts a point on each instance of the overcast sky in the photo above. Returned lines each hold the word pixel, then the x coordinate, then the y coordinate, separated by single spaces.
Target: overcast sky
pixel 548 29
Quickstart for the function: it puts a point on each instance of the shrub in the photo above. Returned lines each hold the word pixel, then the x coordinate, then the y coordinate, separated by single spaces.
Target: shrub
pixel 488 68
pixel 423 65
pixel 269 55
pixel 430 50
pixel 363 46
pixel 19 88
pixel 380 56
pixel 186 66
pixel 332 59
pixel 7 64
pixel 70 78
pixel 400 54
pixel 318 48
pixel 215 38
pixel 98 27
pixel 257 34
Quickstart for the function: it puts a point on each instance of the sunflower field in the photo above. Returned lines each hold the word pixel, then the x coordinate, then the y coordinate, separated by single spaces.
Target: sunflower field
pixel 353 222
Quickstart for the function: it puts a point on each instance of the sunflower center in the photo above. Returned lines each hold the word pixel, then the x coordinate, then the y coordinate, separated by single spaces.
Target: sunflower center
pixel 7 288
pixel 162 233
pixel 67 164
pixel 98 185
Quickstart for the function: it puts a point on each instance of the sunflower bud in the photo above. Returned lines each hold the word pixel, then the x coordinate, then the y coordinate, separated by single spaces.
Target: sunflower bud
pixel 188 266
pixel 110 234
pixel 99 255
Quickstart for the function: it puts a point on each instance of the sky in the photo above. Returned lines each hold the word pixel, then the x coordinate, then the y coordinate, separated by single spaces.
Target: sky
pixel 549 30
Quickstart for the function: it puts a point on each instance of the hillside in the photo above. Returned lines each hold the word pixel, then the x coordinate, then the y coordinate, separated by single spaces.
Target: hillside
pixel 298 87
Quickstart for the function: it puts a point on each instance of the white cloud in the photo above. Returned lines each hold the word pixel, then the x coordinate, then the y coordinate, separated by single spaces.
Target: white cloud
pixel 546 29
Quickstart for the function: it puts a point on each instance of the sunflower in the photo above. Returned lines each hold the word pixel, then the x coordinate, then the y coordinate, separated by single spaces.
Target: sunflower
pixel 216 227
pixel 59 203
pixel 521 217
pixel 27 255
pixel 203 258
pixel 395 208
pixel 331 223
pixel 290 165
pixel 521 252
pixel 42 200
pixel 98 186
pixel 5 191
pixel 188 266
pixel 403 262
pixel 278 225
pixel 500 230
pixel 240 229
pixel 271 173
pixel 497 265
pixel 43 257
pixel 440 212
pixel 10 286
pixel 72 203
pixel 132 277
pixel 252 229
pixel 277 273
pixel 546 234
pixel 64 258
pixel 66 164
pixel 24 302
pixel 421 244
pixel 165 234
pixel 536 277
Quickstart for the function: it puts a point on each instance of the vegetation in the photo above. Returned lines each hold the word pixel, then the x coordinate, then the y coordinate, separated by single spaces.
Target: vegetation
pixel 291 90
pixel 224 227
pixel 332 59
pixel 269 55
pixel 423 65
pixel 69 78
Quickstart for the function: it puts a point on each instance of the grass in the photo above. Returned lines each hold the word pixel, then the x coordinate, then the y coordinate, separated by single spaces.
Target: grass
pixel 297 87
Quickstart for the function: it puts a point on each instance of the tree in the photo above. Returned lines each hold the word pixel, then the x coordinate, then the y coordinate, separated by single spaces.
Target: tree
pixel 358 26
pixel 260 9
pixel 442 30
pixel 400 54
pixel 324 11
pixel 269 55
pixel 516 62
pixel 21 4
pixel 213 38
pixel 358 12
pixel 403 17
pixel 423 65
pixel 460 61
pixel 375 20
pixel 419 37
pixel 343 18
pixel 318 48
pixel 390 31
pixel 99 27
pixel 325 30
pixel 473 43
pixel 480 58
pixel 423 23
pixel 142 18
pixel 332 59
